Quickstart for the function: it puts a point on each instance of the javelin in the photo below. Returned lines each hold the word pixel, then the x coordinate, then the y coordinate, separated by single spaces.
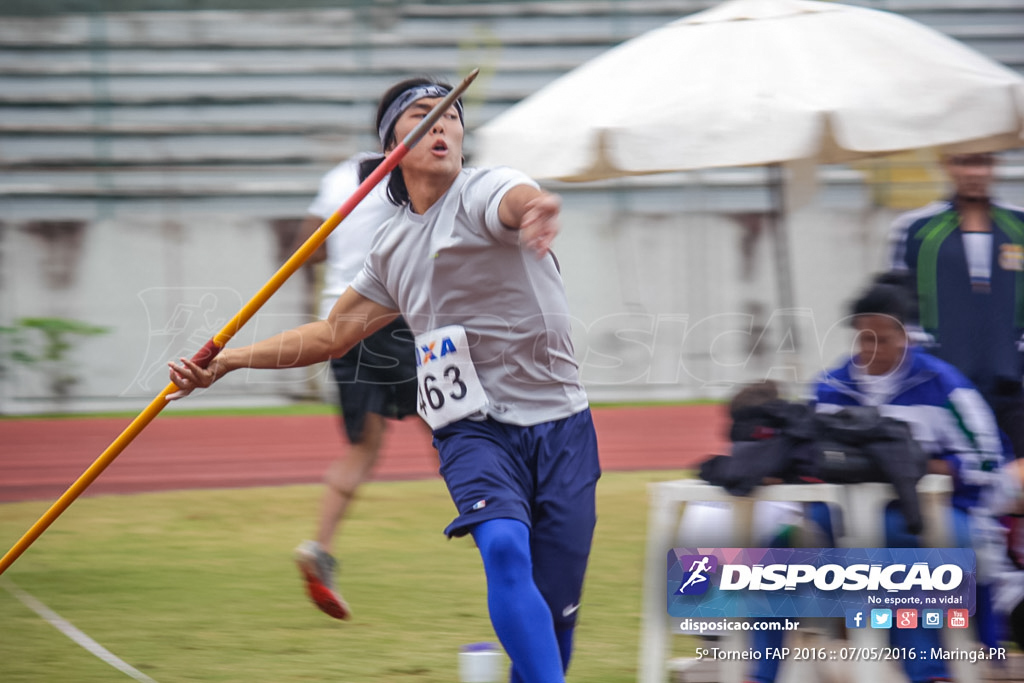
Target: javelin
pixel 220 340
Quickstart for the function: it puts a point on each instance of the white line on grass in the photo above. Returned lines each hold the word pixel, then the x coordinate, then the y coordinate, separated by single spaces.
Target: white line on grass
pixel 74 633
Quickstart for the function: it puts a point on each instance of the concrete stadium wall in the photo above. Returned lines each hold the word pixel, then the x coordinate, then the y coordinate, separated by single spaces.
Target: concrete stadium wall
pixel 155 166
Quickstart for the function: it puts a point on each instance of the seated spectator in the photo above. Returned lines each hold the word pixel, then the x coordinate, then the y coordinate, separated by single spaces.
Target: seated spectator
pixel 950 421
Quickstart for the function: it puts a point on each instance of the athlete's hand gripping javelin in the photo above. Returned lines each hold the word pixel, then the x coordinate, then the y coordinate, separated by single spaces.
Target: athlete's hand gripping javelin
pixel 353 318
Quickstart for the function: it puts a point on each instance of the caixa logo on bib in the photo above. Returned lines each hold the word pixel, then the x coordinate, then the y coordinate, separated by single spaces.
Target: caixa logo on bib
pixel 448 386
pixel 434 350
pixel 816 582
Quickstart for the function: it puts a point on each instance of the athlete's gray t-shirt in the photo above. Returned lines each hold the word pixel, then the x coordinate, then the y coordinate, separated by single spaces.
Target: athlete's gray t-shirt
pixel 458 264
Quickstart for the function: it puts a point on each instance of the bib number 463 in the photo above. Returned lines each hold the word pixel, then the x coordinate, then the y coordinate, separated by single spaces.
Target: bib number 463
pixel 452 387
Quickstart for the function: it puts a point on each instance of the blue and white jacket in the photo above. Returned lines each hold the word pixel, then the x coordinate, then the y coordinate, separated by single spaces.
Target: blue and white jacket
pixel 946 415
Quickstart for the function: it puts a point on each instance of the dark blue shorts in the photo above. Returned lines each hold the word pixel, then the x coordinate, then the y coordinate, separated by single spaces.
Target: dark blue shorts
pixel 545 476
pixel 378 376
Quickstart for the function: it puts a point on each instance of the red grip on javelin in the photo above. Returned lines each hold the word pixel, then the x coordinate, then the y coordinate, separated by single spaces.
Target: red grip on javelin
pixel 206 354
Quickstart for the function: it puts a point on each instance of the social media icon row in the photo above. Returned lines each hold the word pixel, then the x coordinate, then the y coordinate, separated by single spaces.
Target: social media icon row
pixel 906 618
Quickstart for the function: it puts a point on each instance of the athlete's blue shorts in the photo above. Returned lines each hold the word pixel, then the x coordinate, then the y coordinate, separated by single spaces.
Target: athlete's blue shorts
pixel 544 475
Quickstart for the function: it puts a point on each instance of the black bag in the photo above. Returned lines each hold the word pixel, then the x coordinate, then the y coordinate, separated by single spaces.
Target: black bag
pixel 790 442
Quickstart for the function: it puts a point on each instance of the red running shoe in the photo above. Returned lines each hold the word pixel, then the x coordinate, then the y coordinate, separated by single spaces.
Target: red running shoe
pixel 318 568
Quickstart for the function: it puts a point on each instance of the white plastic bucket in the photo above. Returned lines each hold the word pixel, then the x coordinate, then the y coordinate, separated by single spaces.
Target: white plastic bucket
pixel 480 663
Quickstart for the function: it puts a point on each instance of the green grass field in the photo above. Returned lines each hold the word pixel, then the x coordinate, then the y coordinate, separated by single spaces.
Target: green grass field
pixel 200 586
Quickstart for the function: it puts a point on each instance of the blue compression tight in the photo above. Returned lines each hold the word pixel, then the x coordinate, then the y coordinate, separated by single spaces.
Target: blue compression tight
pixel 565 647
pixel 520 615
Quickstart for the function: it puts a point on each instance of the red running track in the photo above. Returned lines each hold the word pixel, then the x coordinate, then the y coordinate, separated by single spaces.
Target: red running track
pixel 41 458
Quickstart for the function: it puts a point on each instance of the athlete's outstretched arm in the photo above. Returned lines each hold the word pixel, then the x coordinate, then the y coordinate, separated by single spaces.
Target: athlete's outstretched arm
pixel 535 213
pixel 353 318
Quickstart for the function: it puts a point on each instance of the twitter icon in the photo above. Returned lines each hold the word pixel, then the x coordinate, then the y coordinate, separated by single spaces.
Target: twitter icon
pixel 881 618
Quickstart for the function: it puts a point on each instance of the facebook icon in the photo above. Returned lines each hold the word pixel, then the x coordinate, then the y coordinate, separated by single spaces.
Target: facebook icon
pixel 855 618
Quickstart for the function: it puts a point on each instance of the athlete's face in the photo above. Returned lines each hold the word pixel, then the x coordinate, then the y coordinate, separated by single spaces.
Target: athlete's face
pixel 971 174
pixel 440 150
pixel 881 343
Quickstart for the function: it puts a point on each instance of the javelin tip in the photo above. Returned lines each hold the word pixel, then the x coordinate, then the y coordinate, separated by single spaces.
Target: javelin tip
pixel 470 77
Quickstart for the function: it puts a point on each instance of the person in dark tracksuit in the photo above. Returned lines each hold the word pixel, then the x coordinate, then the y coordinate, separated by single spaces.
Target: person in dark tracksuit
pixel 963 258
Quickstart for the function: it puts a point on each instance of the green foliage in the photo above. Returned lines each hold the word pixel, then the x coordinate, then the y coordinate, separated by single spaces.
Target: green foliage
pixel 43 344
pixel 56 331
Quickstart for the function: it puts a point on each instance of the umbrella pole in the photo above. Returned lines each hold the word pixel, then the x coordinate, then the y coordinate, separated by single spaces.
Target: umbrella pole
pixel 214 346
pixel 781 253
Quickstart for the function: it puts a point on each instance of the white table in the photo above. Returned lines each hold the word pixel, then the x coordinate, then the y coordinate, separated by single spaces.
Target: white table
pixel 862 506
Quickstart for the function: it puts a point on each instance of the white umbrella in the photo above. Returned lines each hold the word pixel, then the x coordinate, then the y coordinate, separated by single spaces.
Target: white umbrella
pixel 754 82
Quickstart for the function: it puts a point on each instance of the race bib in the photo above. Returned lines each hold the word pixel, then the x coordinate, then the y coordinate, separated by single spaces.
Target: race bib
pixel 448 388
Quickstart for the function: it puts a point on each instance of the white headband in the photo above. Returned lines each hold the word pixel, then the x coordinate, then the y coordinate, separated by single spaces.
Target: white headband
pixel 404 101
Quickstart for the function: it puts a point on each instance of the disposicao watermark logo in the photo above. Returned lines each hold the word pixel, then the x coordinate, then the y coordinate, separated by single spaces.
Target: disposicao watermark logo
pixel 817 582
pixel 697 581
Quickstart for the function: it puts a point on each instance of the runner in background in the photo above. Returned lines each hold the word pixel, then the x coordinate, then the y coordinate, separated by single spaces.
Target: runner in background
pixel 375 380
